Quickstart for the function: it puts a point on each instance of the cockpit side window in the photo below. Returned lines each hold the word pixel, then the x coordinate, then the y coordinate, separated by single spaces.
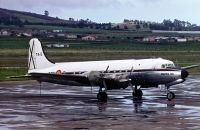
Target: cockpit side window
pixel 167 66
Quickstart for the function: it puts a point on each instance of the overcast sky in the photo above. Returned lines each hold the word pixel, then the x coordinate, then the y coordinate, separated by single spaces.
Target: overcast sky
pixel 112 10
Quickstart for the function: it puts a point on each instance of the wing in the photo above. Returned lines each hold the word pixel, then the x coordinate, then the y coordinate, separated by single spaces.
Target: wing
pixel 61 79
pixel 190 67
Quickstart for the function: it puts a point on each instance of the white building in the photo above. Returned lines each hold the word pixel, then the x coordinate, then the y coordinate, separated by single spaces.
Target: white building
pixel 4 33
pixel 27 34
pixel 89 38
pixel 58 45
pixel 181 39
pixel 57 31
pixel 71 36
pixel 61 35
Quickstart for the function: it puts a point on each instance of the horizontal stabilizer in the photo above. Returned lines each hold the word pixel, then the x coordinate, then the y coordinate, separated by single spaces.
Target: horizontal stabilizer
pixel 19 77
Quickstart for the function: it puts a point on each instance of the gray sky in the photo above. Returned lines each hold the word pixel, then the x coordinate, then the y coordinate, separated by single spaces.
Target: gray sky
pixel 112 10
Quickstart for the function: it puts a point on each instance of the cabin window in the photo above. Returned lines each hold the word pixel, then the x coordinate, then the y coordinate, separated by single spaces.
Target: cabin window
pixel 70 73
pixel 169 65
pixel 117 71
pixel 112 71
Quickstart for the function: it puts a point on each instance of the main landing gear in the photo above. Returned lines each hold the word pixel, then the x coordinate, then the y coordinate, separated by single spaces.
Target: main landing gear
pixel 137 93
pixel 170 96
pixel 102 95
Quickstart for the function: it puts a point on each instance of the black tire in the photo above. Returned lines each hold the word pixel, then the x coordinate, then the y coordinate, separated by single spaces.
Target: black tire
pixel 102 97
pixel 170 96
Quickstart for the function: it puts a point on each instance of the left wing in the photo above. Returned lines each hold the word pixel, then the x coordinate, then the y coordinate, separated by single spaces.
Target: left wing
pixel 61 78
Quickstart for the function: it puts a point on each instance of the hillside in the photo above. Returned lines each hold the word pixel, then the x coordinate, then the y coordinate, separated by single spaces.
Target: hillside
pixel 21 18
pixel 29 17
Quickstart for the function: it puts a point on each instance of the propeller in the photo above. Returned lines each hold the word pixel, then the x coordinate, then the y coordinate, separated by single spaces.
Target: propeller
pixel 184 74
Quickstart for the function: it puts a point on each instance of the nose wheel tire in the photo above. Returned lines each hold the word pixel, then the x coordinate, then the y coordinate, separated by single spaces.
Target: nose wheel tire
pixel 138 93
pixel 102 96
pixel 170 96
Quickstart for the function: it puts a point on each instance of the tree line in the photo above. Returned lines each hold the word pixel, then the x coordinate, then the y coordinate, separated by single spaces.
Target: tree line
pixel 11 20
pixel 168 25
pixel 176 25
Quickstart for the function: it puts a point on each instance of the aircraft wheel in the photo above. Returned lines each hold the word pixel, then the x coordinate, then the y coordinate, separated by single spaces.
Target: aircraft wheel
pixel 170 96
pixel 102 96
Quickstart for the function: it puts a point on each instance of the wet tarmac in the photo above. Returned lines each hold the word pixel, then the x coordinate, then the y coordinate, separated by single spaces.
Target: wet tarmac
pixel 67 107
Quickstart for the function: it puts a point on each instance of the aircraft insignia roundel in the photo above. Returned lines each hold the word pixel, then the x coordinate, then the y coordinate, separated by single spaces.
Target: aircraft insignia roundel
pixel 58 72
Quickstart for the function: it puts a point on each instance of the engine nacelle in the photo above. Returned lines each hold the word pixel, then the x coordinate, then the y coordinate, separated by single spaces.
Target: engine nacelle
pixel 115 84
pixel 94 77
pixel 112 81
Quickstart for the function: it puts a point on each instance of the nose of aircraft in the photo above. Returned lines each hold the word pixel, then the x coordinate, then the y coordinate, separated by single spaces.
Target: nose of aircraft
pixel 184 74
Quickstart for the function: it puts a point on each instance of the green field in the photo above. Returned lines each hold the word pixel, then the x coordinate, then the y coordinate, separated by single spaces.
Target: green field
pixel 14 53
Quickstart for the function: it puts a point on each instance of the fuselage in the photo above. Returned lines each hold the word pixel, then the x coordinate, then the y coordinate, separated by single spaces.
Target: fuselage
pixel 109 66
pixel 145 72
pixel 108 75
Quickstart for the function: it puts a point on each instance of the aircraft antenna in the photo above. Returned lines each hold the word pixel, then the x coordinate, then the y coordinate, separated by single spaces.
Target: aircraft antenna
pixel 107 68
pixel 131 70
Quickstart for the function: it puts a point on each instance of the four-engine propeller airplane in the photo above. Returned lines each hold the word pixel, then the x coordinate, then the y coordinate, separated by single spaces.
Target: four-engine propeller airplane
pixel 108 75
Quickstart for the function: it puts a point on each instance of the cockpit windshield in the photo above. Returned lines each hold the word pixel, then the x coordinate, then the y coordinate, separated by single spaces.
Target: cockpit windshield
pixel 167 66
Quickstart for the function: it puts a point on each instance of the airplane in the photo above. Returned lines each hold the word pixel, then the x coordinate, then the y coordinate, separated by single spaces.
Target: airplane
pixel 108 75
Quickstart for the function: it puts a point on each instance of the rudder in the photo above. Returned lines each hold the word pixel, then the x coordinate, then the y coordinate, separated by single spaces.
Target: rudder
pixel 37 58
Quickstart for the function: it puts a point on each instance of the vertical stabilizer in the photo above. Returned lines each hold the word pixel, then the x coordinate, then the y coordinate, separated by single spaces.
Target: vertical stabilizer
pixel 37 58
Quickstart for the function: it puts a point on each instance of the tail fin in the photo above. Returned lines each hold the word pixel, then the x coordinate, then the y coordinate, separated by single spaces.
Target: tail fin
pixel 37 58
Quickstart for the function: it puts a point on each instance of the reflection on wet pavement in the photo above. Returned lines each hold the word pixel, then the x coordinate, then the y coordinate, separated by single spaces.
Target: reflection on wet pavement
pixel 67 107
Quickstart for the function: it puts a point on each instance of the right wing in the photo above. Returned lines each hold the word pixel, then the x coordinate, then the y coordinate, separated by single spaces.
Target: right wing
pixel 190 67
